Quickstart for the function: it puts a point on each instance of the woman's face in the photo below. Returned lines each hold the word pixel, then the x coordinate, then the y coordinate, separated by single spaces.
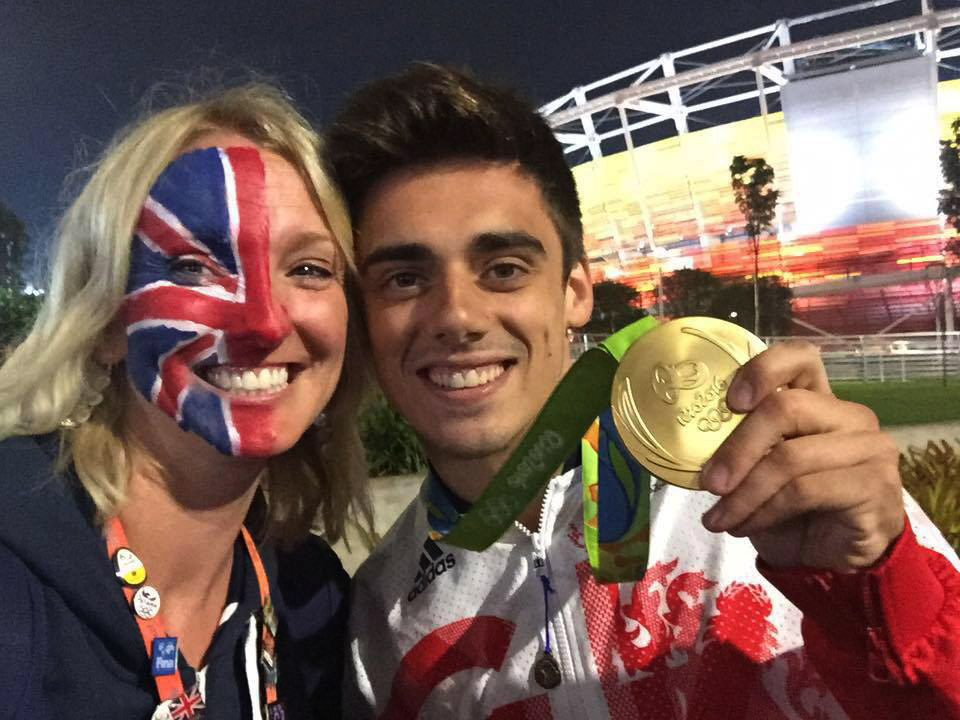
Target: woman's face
pixel 235 314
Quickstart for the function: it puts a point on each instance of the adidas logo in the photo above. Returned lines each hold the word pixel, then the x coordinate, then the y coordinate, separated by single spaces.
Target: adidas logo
pixel 432 565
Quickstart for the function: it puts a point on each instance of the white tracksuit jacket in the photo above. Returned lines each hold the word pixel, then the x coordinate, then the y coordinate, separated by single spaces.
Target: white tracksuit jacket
pixel 441 632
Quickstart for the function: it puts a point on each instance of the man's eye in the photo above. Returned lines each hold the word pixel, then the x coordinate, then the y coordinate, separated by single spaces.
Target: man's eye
pixel 403 280
pixel 506 271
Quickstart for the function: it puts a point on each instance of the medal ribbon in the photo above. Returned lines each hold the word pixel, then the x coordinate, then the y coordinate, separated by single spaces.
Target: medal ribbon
pixel 170 687
pixel 566 421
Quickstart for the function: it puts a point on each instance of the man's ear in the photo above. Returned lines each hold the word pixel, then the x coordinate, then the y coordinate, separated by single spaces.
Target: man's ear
pixel 579 295
pixel 112 347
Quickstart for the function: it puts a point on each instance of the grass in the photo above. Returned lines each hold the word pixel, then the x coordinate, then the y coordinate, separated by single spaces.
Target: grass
pixel 908 402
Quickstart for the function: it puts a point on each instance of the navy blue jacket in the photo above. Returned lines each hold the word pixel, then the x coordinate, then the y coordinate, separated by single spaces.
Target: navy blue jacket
pixel 70 646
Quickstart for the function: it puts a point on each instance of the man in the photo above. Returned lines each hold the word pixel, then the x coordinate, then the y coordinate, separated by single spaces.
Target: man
pixel 470 253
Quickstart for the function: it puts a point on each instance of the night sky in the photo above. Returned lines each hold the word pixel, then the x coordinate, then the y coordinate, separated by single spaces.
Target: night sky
pixel 72 73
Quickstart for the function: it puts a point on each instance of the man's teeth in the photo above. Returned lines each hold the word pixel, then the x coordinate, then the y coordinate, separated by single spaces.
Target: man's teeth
pixel 249 380
pixel 458 379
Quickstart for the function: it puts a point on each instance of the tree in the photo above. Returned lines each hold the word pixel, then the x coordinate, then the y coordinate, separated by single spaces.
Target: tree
pixel 753 191
pixel 734 302
pixel 949 203
pixel 17 311
pixel 615 305
pixel 13 241
pixel 690 292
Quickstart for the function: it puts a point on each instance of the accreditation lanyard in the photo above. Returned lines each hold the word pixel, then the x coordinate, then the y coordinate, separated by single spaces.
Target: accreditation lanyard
pixel 160 646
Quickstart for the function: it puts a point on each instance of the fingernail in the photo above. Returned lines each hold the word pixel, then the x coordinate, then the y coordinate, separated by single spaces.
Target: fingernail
pixel 713 518
pixel 740 395
pixel 713 477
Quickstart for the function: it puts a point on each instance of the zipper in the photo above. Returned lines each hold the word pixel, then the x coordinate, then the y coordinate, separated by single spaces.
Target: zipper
pixel 543 514
pixel 548 668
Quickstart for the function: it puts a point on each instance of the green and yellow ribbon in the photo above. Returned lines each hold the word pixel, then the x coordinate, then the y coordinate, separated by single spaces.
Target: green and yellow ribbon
pixel 615 534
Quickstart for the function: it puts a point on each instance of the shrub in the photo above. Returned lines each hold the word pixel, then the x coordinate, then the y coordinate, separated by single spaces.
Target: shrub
pixel 932 477
pixel 392 446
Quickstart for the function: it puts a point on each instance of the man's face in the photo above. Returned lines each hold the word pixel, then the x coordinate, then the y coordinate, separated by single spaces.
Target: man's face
pixel 461 270
pixel 235 313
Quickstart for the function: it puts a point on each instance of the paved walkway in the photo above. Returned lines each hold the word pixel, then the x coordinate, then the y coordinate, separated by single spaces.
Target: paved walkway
pixel 392 494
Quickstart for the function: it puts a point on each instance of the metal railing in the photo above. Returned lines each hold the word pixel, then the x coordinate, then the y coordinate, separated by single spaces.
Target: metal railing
pixel 590 120
pixel 876 358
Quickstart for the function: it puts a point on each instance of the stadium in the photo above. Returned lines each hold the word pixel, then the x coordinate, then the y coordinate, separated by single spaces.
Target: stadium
pixel 848 107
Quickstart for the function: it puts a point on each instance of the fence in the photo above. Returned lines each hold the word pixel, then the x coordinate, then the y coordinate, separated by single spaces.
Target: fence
pixel 877 358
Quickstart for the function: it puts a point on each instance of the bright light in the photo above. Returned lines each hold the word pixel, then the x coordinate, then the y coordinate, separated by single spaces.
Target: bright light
pixel 920 259
pixel 863 145
pixel 612 272
pixel 826 172
pixel 677 263
pixel 733 313
pixel 902 160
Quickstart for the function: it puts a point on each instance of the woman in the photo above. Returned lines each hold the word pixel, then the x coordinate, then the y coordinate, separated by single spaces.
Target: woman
pixel 188 355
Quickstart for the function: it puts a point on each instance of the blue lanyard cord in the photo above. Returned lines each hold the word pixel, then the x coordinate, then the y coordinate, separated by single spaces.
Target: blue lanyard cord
pixel 547 589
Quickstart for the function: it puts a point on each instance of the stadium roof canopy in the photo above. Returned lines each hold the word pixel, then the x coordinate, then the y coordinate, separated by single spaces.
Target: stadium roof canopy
pixel 726 79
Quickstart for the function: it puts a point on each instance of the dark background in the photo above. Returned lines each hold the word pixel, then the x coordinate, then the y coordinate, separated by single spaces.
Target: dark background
pixel 72 73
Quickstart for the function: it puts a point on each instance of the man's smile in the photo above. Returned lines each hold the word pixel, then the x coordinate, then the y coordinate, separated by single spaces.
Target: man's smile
pixel 457 378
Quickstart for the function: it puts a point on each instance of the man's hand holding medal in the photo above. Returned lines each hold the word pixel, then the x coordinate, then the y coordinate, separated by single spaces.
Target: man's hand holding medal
pixel 809 478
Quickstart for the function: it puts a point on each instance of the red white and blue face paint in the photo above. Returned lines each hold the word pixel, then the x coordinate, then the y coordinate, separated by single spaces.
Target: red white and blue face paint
pixel 199 297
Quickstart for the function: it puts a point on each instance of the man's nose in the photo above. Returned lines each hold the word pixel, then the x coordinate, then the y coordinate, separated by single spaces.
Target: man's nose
pixel 461 310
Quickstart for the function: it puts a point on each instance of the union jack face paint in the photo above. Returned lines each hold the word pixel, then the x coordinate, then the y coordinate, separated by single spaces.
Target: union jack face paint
pixel 199 296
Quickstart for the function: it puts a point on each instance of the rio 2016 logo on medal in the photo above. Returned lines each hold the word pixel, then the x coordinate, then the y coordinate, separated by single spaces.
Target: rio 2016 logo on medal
pixel 669 394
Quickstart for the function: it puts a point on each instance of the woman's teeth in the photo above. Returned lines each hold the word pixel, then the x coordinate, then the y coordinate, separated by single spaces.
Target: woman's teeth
pixel 458 379
pixel 248 380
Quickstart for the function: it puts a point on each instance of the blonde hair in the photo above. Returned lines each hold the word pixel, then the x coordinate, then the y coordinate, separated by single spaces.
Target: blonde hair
pixel 321 478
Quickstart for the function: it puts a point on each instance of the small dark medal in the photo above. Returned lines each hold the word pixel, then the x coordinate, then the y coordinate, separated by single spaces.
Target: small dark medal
pixel 546 671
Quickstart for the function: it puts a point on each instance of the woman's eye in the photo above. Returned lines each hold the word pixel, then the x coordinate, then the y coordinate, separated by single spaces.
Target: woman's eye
pixel 311 270
pixel 189 270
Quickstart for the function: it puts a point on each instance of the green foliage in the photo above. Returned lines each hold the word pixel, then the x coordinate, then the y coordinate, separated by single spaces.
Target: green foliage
pixel 698 292
pixel 17 311
pixel 690 292
pixel 932 477
pixel 949 204
pixel 615 305
pixel 13 242
pixel 391 444
pixel 952 246
pixel 737 297
pixel 752 182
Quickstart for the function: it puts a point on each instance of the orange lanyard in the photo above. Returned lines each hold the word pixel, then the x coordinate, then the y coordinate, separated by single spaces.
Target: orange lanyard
pixel 161 648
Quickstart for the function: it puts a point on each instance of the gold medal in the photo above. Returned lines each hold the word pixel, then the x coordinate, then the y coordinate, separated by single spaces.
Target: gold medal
pixel 669 394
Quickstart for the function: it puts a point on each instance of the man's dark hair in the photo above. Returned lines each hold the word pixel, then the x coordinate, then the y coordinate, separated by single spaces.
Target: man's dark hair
pixel 428 114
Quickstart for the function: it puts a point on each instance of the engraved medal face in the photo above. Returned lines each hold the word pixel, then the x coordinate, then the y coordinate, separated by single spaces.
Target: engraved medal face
pixel 669 394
